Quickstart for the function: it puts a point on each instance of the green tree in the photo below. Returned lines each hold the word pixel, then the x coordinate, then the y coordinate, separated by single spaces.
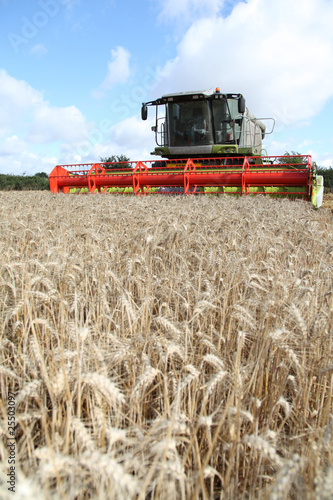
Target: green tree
pixel 43 175
pixel 121 160
pixel 327 173
pixel 293 158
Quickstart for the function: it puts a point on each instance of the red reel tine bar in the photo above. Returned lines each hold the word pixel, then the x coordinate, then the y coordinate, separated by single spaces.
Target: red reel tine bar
pixel 248 175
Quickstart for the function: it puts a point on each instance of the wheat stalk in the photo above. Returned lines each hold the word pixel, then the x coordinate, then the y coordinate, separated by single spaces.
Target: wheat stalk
pixel 163 347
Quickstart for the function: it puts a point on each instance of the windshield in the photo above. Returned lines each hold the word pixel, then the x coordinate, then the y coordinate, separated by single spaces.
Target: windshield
pixel 222 117
pixel 190 123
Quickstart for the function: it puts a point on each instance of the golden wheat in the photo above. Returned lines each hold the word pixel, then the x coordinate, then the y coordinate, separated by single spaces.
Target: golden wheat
pixel 166 347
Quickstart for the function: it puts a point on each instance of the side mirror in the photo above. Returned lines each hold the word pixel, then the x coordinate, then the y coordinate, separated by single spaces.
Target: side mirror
pixel 144 112
pixel 241 105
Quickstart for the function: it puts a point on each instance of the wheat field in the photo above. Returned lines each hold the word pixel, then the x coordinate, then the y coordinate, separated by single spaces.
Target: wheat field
pixel 328 201
pixel 166 347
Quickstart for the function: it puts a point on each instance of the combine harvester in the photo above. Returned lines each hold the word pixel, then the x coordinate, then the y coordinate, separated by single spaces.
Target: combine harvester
pixel 210 143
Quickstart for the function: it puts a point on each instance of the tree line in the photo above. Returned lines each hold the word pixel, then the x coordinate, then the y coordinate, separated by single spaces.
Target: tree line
pixel 37 182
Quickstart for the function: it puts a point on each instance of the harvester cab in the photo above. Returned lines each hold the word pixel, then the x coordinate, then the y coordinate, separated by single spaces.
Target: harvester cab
pixel 205 123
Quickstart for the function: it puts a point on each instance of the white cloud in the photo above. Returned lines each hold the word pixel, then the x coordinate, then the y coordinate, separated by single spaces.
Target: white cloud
pixel 327 162
pixel 24 111
pixel 277 53
pixel 12 145
pixel 28 121
pixel 188 10
pixel 57 124
pixel 131 137
pixel 17 98
pixel 17 158
pixel 132 131
pixel 118 71
pixel 38 50
pixel 36 136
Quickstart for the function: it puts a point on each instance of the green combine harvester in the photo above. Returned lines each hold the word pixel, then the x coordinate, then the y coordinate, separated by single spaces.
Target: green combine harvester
pixel 208 143
pixel 213 128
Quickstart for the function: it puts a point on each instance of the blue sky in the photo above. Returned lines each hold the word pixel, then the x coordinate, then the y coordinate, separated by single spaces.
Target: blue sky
pixel 73 73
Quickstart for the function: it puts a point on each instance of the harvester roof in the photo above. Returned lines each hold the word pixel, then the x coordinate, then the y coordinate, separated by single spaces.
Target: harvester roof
pixel 194 94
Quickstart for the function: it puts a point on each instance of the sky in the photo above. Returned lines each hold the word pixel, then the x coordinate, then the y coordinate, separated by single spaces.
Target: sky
pixel 74 73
